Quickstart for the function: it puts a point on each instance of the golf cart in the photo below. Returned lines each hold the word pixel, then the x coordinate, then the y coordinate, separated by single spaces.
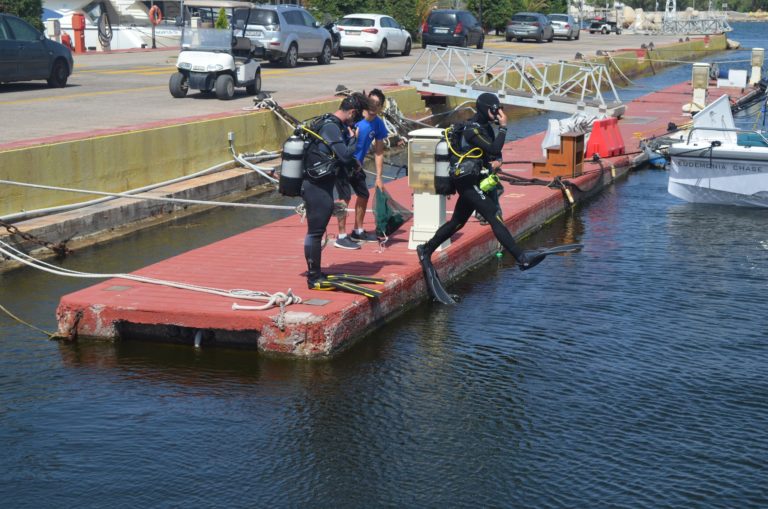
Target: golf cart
pixel 216 59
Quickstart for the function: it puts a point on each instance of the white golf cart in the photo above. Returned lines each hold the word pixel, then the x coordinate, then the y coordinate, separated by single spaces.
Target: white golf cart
pixel 214 59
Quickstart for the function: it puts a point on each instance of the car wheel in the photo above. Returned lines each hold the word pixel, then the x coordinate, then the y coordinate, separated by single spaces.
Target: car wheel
pixel 464 42
pixel 519 39
pixel 591 31
pixel 407 49
pixel 508 38
pixel 291 58
pixel 382 53
pixel 481 42
pixel 540 38
pixel 225 87
pixel 551 37
pixel 256 87
pixel 618 32
pixel 577 35
pixel 178 85
pixel 59 75
pixel 325 56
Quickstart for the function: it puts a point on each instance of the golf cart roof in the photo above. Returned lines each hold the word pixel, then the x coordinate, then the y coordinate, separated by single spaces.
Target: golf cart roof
pixel 217 4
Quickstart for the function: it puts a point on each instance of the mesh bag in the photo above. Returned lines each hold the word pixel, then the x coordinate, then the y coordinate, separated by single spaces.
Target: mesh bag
pixel 390 215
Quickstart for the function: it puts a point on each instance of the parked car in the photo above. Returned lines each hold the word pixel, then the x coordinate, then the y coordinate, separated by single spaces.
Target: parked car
pixel 27 55
pixel 373 33
pixel 565 26
pixel 287 33
pixel 530 25
pixel 448 27
pixel 604 27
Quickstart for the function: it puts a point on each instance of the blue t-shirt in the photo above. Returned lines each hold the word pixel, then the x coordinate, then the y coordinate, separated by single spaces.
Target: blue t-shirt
pixel 369 131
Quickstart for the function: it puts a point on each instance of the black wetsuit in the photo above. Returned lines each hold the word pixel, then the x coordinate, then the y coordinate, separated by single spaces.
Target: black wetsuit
pixel 339 151
pixel 471 198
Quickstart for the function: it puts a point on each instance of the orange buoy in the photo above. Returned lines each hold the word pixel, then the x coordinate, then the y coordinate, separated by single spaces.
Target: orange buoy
pixel 155 16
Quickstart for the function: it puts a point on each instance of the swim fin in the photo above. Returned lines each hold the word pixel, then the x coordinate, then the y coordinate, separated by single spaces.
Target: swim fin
pixel 344 286
pixel 434 285
pixel 354 278
pixel 535 257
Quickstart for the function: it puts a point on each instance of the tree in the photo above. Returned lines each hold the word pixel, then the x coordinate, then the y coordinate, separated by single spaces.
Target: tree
pixel 221 20
pixel 495 13
pixel 28 10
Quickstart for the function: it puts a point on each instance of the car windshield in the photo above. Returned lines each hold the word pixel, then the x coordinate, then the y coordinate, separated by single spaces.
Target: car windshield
pixel 206 39
pixel 524 18
pixel 558 17
pixel 356 22
pixel 442 19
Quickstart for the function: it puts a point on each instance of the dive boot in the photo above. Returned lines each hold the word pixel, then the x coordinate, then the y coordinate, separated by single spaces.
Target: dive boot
pixel 434 285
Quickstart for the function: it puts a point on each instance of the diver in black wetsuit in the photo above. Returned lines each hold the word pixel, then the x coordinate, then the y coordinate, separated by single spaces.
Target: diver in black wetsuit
pixel 476 156
pixel 323 159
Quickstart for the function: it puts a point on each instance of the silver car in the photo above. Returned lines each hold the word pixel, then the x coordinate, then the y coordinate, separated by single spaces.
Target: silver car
pixel 565 26
pixel 26 54
pixel 530 25
pixel 287 33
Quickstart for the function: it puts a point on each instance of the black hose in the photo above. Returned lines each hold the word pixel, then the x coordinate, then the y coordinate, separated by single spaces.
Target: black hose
pixel 105 30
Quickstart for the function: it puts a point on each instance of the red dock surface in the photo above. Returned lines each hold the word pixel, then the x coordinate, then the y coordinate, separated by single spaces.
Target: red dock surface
pixel 126 309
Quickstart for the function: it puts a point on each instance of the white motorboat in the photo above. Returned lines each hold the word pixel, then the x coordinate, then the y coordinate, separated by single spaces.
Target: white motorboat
pixel 718 163
pixel 117 24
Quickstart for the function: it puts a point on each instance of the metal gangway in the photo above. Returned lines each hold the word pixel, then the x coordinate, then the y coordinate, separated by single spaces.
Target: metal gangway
pixel 567 87
pixel 704 24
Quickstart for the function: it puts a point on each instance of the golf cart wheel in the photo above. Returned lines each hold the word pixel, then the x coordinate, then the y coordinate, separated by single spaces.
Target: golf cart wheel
pixel 178 85
pixel 256 87
pixel 604 31
pixel 225 87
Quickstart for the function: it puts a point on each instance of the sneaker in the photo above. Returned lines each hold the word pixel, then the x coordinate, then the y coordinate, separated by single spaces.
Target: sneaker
pixel 346 243
pixel 363 237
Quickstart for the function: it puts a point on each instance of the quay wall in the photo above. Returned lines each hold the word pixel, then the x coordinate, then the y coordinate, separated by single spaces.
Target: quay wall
pixel 121 161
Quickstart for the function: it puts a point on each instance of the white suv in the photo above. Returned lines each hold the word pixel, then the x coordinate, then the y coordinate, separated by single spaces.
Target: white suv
pixel 373 33
pixel 287 33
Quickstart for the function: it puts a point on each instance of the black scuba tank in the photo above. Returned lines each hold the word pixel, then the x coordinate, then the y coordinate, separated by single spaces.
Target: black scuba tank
pixel 292 166
pixel 443 182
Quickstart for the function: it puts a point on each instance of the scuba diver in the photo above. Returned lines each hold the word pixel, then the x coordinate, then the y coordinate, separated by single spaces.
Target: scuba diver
pixel 475 157
pixel 331 147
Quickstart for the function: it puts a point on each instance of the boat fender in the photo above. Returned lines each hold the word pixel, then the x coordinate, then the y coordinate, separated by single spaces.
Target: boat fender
pixel 155 15
pixel 292 167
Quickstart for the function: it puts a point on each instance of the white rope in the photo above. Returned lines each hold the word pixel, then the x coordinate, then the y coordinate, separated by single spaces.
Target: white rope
pixel 148 198
pixel 279 298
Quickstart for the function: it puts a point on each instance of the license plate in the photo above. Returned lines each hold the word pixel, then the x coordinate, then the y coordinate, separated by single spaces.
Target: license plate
pixel 441 30
pixel 352 32
pixel 254 33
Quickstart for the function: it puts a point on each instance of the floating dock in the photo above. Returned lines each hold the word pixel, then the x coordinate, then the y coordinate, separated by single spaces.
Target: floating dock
pixel 271 259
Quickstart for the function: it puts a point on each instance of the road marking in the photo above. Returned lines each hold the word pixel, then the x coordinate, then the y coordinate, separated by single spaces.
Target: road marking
pixel 84 94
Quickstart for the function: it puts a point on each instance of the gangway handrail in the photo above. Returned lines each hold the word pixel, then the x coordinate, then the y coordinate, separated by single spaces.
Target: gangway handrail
pixel 724 129
pixel 518 80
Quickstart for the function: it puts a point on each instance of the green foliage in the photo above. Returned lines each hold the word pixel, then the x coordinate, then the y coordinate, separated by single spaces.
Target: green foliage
pixel 409 13
pixel 28 10
pixel 221 20
pixel 494 14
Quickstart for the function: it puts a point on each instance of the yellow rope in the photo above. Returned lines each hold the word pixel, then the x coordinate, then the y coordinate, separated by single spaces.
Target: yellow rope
pixel 49 334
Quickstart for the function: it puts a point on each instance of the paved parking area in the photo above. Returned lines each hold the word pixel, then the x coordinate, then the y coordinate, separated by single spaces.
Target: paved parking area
pixel 118 90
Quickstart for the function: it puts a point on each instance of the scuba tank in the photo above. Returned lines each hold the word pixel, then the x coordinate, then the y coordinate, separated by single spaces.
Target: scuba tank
pixel 443 182
pixel 292 167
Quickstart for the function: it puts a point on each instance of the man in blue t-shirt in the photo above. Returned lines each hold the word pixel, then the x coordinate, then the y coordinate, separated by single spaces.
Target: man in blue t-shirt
pixel 370 130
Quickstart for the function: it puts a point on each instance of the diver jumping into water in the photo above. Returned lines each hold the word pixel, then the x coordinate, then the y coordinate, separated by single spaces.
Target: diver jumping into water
pixel 476 158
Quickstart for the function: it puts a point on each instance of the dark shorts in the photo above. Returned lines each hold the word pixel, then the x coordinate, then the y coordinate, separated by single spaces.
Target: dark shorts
pixel 346 183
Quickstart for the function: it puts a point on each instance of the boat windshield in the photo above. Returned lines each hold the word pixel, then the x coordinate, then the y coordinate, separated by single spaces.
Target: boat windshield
pixel 206 39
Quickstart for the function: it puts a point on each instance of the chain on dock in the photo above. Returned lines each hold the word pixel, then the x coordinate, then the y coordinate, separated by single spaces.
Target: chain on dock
pixel 59 248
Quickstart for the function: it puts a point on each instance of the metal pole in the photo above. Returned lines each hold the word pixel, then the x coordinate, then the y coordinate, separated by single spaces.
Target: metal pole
pixel 154 46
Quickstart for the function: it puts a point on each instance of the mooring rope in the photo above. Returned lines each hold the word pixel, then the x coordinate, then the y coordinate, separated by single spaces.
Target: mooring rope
pixel 272 299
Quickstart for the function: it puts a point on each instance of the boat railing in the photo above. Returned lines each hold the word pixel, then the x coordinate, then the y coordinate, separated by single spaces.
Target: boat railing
pixel 729 130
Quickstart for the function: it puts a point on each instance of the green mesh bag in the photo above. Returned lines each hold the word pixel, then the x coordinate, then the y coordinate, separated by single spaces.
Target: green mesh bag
pixel 390 215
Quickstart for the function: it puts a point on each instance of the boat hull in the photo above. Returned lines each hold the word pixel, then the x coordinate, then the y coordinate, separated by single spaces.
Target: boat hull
pixel 723 181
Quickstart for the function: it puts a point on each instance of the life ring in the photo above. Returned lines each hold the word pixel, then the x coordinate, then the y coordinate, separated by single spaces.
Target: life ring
pixel 155 16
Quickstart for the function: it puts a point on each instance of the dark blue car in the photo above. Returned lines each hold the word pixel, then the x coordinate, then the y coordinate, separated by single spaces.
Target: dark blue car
pixel 446 27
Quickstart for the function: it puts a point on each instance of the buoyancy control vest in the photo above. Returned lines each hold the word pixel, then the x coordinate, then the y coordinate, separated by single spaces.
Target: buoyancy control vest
pixel 464 161
pixel 302 157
